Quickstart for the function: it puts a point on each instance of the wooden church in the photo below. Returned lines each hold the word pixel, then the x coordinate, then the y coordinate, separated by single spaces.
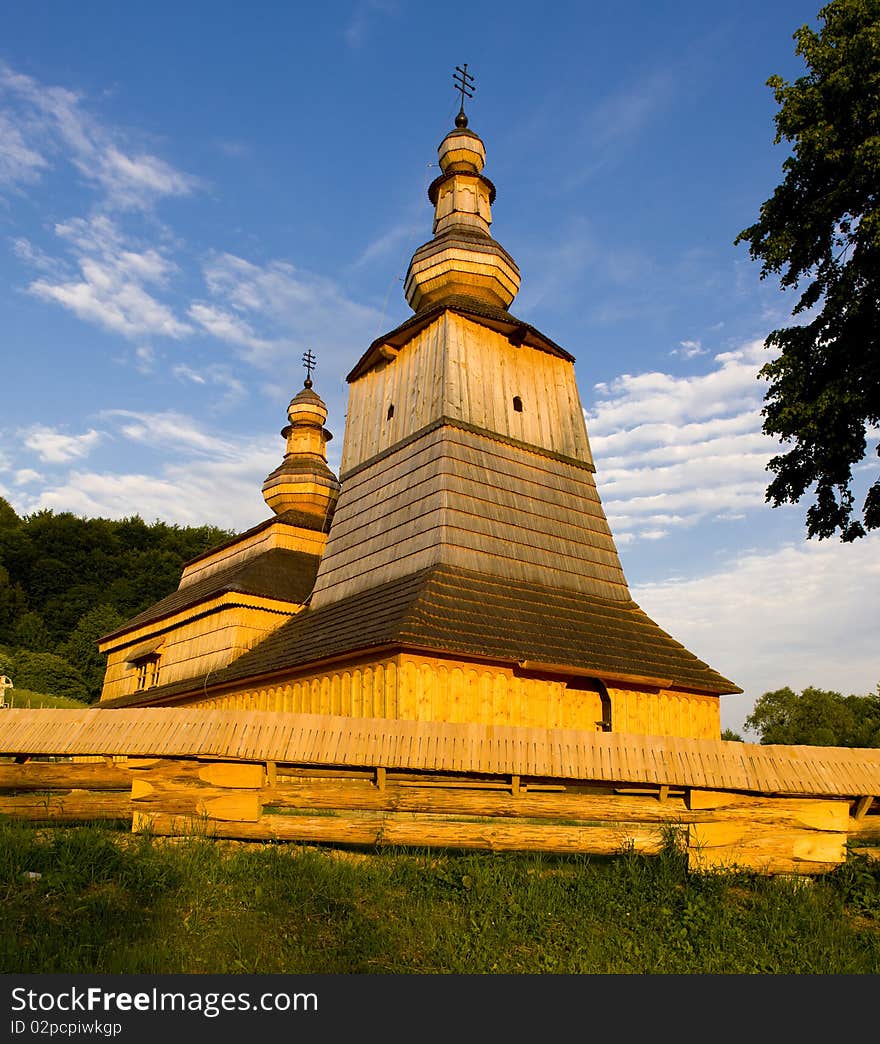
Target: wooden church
pixel 461 568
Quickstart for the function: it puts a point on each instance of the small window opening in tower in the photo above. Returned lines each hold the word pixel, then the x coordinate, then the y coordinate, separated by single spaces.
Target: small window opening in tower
pixel 517 404
pixel 390 413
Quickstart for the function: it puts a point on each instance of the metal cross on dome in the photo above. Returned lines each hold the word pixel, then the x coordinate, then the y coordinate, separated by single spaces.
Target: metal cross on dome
pixel 464 84
pixel 309 363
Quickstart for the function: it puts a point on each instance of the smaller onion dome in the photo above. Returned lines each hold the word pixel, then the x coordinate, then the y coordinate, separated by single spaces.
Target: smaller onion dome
pixel 303 481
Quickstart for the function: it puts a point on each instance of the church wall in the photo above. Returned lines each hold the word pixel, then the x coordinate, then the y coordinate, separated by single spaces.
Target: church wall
pixel 412 383
pixel 665 712
pixel 192 648
pixel 367 690
pixel 484 374
pixel 414 687
pixel 425 688
pixel 459 369
pixel 276 535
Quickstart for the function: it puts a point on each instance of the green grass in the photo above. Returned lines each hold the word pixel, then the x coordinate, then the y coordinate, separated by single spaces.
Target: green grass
pixel 108 901
pixel 24 698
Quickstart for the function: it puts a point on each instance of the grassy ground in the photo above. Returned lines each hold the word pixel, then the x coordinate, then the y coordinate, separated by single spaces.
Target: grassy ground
pixel 24 699
pixel 107 901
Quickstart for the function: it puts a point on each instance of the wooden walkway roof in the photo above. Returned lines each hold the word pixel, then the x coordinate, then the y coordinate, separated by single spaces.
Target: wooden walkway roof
pixel 325 740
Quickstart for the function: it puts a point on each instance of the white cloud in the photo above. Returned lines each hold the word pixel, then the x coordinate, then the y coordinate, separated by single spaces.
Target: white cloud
pixel 802 615
pixel 273 312
pixel 39 123
pixel 196 492
pixel 230 328
pixel 170 431
pixel 24 476
pixel 689 349
pixel 200 478
pixel 110 287
pixel 55 447
pixel 677 450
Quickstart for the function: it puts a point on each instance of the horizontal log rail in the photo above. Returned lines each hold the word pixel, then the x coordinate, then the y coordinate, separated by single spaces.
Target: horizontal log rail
pixel 253 801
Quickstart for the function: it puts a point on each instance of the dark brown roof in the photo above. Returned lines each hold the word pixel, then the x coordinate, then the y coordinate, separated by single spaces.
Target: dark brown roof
pixel 471 614
pixel 486 314
pixel 278 573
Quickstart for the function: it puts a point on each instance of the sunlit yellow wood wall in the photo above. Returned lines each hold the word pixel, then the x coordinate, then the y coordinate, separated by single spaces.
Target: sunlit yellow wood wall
pixel 424 688
pixel 192 647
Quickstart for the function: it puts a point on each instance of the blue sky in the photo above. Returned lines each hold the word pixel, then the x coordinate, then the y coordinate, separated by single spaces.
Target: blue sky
pixel 193 194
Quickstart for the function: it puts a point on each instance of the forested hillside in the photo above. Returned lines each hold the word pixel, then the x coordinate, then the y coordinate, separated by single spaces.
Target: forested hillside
pixel 65 581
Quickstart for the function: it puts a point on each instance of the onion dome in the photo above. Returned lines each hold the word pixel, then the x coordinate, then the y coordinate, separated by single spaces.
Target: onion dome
pixel 462 260
pixel 303 481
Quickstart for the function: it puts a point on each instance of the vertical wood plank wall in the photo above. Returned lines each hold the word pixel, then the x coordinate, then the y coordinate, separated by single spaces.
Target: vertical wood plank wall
pixel 457 368
pixel 424 688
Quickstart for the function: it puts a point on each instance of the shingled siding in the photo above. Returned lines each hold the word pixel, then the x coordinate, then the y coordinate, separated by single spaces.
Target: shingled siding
pixel 460 499
pixel 277 574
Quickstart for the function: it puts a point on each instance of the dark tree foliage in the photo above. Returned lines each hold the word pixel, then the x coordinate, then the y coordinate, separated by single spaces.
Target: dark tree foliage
pixel 81 648
pixel 820 233
pixel 42 672
pixel 65 581
pixel 66 565
pixel 817 717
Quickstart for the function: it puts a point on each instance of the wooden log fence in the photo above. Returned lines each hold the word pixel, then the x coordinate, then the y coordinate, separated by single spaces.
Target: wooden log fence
pixel 252 801
pixel 341 793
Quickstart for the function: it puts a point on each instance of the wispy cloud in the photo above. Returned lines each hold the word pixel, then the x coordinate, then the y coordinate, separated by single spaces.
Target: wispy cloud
pixel 34 257
pixel 365 13
pixel 614 123
pixel 555 271
pixel 624 113
pixel 57 447
pixel 107 283
pixel 42 125
pixel 20 162
pixel 393 241
pixel 214 375
pixel 800 615
pixel 672 451
pixel 273 312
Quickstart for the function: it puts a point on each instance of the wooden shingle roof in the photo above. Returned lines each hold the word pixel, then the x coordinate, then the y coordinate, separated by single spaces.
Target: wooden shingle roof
pixel 445 610
pixel 278 573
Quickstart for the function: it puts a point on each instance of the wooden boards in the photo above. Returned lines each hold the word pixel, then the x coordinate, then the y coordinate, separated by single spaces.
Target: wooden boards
pixel 253 800
pixel 365 742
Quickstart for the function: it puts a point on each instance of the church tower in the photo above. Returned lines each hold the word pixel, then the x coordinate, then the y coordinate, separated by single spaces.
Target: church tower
pixel 469 574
